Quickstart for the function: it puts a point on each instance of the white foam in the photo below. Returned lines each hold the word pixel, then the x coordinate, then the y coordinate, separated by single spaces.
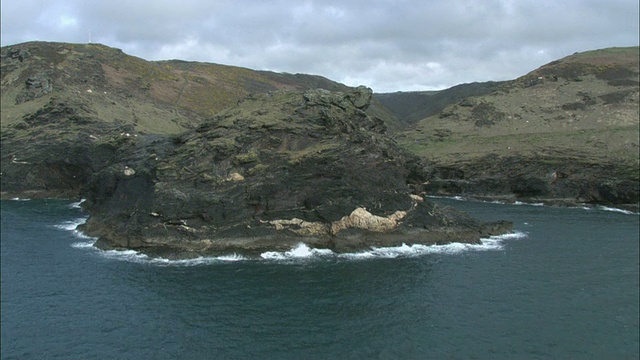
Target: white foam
pixel 140 258
pixel 304 252
pixel 72 224
pixel 18 199
pixel 491 243
pixel 124 255
pixel 83 244
pixel 232 257
pixel 501 202
pixel 301 251
pixel 202 260
pixel 77 205
pixel 526 203
pixel 605 208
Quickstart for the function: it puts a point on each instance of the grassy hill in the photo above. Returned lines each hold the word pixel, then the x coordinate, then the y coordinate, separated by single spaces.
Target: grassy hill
pixel 583 103
pixel 568 129
pixel 582 109
pixel 413 106
pixel 104 84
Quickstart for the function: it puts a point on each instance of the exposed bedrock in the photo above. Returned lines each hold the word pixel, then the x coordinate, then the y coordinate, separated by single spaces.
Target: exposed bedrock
pixel 553 180
pixel 279 169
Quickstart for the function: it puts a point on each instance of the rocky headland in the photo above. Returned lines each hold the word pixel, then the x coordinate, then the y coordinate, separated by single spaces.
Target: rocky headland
pixel 181 159
pixel 278 169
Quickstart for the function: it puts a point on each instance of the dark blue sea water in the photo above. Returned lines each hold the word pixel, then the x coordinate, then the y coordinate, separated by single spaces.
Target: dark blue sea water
pixel 564 286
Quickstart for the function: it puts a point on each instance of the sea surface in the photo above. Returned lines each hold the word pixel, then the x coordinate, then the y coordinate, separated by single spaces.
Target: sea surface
pixel 564 285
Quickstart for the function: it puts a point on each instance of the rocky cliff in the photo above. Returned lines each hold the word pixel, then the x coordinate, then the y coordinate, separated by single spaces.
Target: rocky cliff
pixel 182 159
pixel 58 100
pixel 278 169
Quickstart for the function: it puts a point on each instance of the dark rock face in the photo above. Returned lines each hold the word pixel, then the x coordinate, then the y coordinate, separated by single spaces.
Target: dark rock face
pixel 35 87
pixel 553 181
pixel 278 169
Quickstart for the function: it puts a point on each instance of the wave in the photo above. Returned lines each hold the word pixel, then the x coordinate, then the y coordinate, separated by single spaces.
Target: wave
pixel 529 204
pixel 138 257
pixel 623 211
pixel 77 205
pixel 299 252
pixel 71 225
pixel 302 252
pixel 135 256
pixel 84 244
pixel 19 199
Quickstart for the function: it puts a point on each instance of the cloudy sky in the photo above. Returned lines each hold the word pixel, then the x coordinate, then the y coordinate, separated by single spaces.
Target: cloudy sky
pixel 389 45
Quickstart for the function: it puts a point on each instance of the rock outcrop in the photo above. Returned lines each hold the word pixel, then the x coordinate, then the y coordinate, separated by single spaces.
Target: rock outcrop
pixel 278 169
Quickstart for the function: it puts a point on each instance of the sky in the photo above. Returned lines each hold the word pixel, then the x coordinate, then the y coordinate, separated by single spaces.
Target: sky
pixel 388 45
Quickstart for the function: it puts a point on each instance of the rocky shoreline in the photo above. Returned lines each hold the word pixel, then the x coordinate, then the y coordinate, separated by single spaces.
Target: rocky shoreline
pixel 165 172
pixel 279 169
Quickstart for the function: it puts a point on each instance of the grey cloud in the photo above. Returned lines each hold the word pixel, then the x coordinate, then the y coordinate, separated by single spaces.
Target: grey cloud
pixel 388 45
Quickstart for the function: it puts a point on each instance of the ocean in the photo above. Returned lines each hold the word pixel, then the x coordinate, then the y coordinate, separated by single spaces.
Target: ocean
pixel 564 285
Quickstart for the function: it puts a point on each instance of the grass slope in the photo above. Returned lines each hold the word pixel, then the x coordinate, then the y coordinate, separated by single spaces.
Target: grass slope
pixel 583 107
pixel 105 85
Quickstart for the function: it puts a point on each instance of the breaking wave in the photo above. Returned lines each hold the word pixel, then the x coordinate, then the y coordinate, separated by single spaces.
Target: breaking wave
pixel 301 252
pixel 77 205
pixel 605 208
pixel 137 257
pixel 492 243
pixel 88 243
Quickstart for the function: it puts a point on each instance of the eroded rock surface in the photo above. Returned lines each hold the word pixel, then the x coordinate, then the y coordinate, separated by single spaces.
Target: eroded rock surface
pixel 279 169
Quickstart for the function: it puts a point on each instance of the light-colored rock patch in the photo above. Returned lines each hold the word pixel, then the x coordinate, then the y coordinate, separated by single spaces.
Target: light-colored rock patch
pixel 234 176
pixel 301 227
pixel 359 218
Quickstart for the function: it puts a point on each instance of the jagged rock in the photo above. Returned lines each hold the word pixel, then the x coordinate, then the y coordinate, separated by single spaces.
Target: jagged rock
pixel 35 87
pixel 19 54
pixel 326 177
